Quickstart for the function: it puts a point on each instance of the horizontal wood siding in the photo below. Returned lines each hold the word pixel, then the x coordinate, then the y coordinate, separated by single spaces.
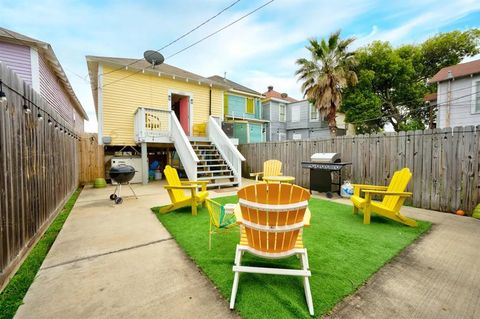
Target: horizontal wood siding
pixel 39 169
pixel 78 122
pixel 53 91
pixel 445 162
pixel 461 101
pixel 17 58
pixel 121 99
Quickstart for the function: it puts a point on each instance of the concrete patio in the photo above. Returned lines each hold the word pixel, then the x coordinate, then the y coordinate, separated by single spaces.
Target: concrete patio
pixel 118 261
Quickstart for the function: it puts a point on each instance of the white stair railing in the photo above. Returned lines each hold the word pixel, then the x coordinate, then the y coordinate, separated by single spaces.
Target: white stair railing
pixel 226 148
pixel 183 147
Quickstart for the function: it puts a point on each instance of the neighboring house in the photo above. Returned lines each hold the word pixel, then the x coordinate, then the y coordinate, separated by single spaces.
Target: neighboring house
pixel 304 122
pixel 243 112
pixel 35 62
pixel 275 111
pixel 295 120
pixel 458 94
pixel 164 111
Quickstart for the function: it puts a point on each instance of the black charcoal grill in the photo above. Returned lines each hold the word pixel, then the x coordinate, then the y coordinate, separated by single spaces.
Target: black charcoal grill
pixel 325 172
pixel 121 174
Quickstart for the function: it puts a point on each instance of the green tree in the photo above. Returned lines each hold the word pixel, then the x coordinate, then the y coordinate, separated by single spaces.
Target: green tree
pixel 393 81
pixel 449 48
pixel 326 74
pixel 389 91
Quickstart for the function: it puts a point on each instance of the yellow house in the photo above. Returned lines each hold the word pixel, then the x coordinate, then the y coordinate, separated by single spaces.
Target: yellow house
pixel 164 113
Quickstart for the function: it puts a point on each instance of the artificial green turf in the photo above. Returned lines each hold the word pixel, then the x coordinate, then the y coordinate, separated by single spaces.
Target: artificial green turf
pixel 12 296
pixel 343 254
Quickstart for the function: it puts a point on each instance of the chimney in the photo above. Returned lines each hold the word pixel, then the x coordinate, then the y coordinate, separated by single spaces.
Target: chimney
pixel 270 88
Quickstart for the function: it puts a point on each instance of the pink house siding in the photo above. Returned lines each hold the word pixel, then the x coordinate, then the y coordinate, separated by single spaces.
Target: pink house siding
pixel 78 125
pixel 53 92
pixel 17 57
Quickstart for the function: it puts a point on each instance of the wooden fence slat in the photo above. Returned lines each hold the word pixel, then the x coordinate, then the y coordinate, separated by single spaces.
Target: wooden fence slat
pixel 38 170
pixel 445 163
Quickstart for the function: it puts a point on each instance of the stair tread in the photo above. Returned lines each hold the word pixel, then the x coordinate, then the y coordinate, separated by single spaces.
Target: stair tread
pixel 223 184
pixel 215 177
pixel 217 171
pixel 214 165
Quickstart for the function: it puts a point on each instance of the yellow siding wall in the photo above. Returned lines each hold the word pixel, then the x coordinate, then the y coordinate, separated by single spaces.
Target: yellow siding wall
pixel 121 100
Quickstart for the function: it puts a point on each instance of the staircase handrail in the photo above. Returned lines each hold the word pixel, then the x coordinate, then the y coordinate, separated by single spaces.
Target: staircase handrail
pixel 227 149
pixel 185 151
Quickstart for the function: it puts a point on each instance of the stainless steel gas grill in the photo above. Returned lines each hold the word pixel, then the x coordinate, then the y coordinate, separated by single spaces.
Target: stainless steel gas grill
pixel 325 172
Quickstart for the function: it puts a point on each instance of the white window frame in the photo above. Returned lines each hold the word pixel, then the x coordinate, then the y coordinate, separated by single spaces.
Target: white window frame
pixel 284 106
pixel 295 109
pixel 475 98
pixel 310 113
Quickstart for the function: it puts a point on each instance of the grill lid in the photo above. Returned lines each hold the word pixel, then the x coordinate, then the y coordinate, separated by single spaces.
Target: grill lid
pixel 325 157
pixel 122 173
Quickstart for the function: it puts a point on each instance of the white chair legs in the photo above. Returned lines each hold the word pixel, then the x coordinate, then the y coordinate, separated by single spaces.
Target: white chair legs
pixel 304 272
pixel 238 258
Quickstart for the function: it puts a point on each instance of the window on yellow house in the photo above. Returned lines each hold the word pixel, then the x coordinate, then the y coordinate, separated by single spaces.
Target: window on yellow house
pixel 250 106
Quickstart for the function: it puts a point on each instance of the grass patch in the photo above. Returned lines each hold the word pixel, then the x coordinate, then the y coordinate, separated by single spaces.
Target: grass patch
pixel 343 254
pixel 12 296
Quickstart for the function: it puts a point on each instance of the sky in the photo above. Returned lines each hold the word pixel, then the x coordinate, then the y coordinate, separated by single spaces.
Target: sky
pixel 258 51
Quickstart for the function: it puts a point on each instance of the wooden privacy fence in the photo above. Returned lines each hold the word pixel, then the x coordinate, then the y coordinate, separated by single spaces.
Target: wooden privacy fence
pixel 444 162
pixel 92 158
pixel 38 169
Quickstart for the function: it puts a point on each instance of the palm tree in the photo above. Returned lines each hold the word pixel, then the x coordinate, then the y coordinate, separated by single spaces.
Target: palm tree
pixel 326 74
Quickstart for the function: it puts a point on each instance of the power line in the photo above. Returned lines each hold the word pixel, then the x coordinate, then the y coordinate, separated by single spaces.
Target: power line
pixel 420 108
pixel 181 37
pixel 221 29
pixel 195 43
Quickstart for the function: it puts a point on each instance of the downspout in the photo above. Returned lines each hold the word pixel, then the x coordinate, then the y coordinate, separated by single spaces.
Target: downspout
pixel 210 102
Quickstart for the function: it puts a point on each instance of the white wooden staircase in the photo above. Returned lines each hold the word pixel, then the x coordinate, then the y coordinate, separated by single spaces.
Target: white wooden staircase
pixel 215 159
pixel 212 166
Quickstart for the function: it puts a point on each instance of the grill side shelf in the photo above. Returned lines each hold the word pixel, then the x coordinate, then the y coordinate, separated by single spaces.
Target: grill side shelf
pixel 325 166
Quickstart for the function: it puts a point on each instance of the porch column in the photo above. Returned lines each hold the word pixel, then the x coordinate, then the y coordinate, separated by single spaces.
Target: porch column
pixel 144 164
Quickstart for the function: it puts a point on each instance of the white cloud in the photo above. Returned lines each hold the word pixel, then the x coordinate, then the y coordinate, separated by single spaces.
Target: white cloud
pixel 258 51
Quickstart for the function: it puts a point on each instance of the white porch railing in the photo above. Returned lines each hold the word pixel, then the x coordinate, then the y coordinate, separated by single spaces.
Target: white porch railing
pixel 152 125
pixel 225 146
pixel 183 147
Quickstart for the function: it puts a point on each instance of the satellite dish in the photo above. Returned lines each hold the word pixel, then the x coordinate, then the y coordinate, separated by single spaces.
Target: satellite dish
pixel 154 57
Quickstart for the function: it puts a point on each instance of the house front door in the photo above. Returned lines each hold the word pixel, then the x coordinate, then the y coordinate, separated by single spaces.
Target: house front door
pixel 185 114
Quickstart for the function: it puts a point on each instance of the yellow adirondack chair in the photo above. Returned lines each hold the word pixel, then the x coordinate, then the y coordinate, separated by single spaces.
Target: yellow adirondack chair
pixel 272 225
pixel 270 168
pixel 176 191
pixel 219 220
pixel 394 196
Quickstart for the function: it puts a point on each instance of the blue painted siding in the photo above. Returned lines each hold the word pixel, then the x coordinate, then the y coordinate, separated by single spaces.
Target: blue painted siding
pixel 256 135
pixel 236 106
